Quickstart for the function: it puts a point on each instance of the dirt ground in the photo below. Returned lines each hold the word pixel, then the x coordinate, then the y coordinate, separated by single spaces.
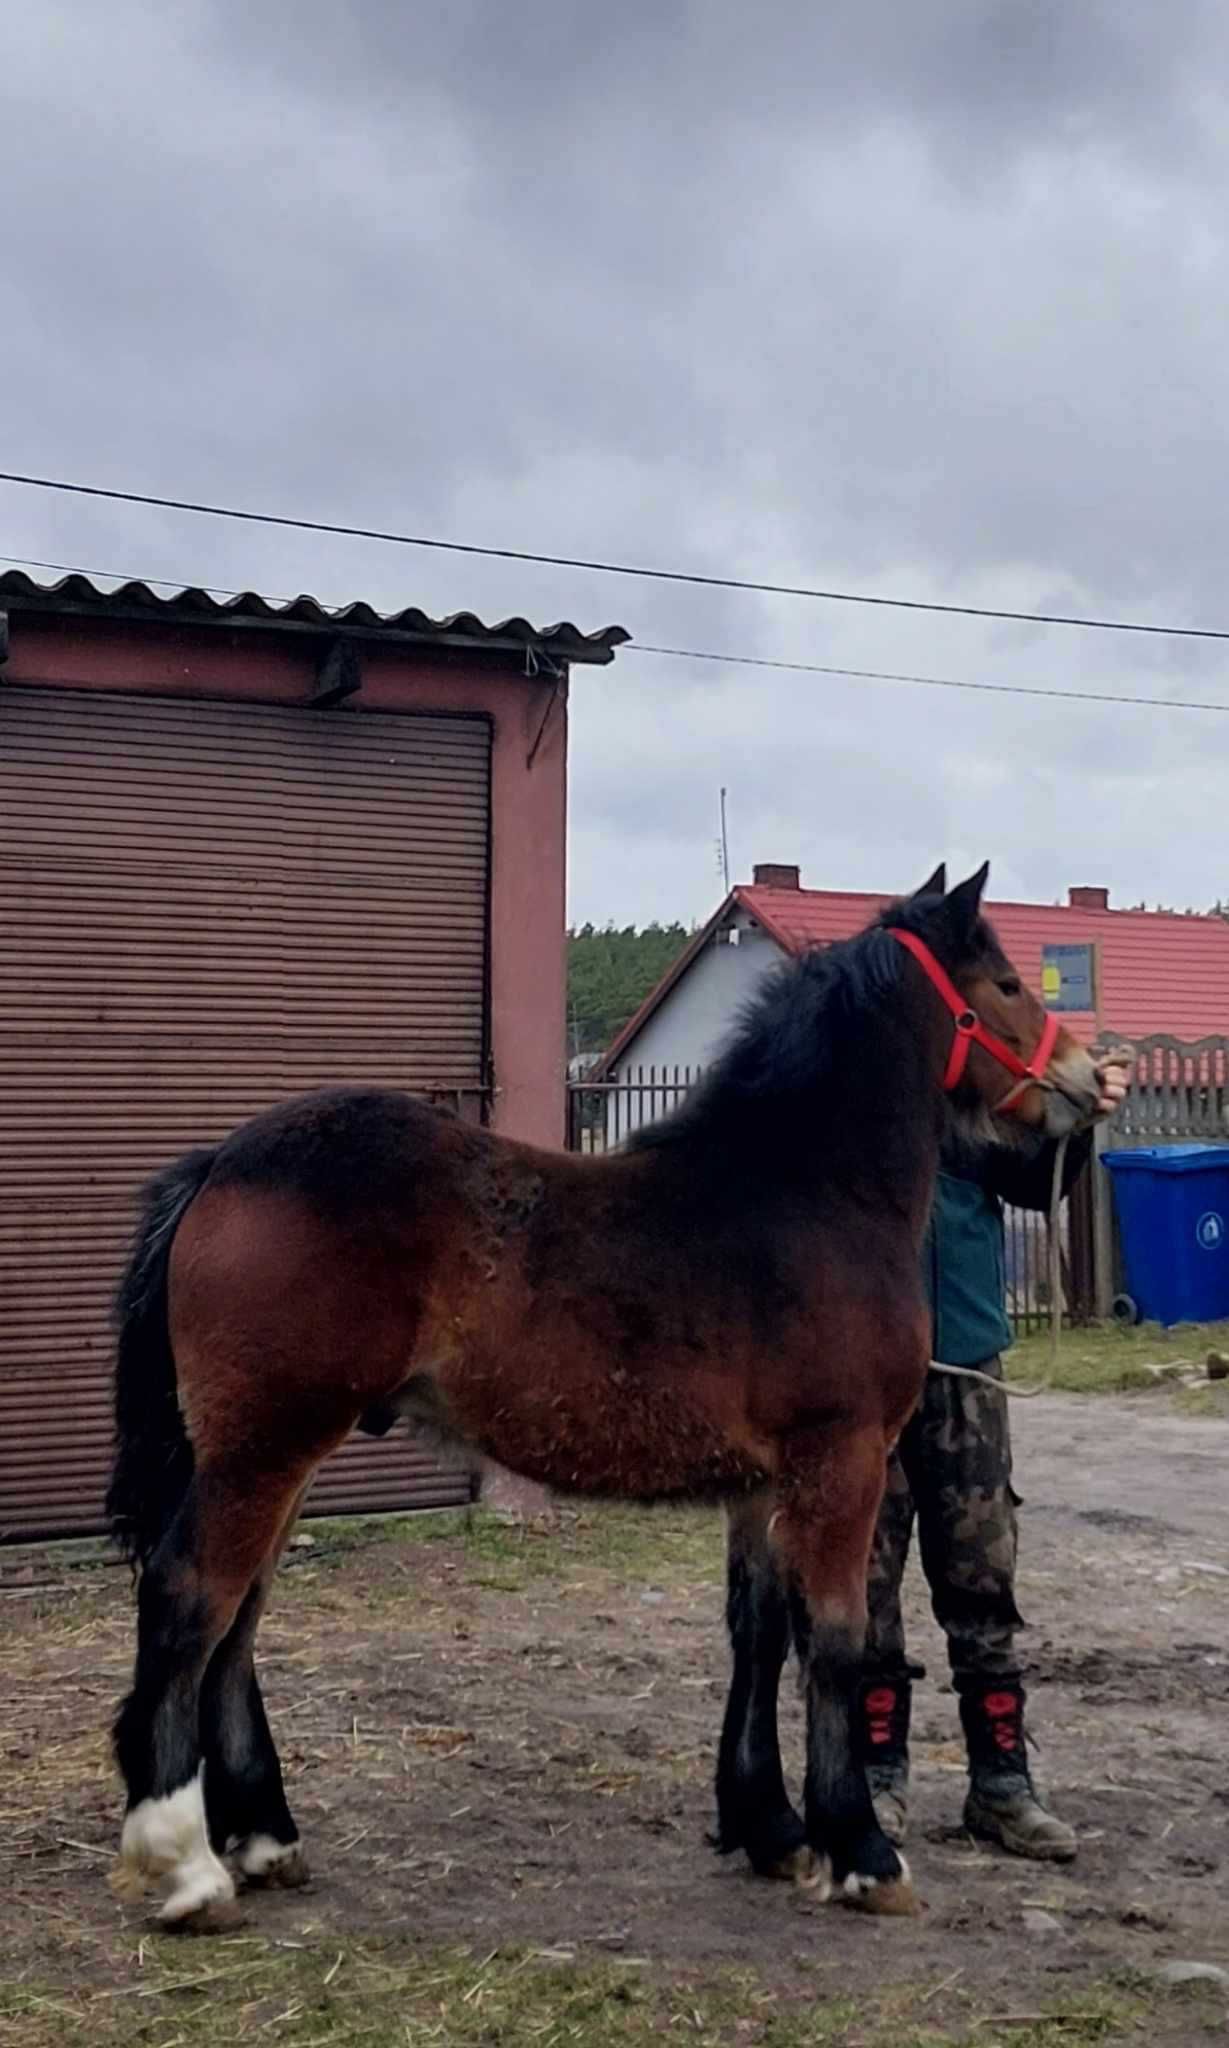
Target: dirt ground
pixel 503 1739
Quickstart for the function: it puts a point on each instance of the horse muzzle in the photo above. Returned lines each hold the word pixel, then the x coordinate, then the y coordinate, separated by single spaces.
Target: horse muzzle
pixel 1072 1094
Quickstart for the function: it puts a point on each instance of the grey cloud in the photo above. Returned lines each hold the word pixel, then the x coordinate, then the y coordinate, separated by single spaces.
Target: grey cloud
pixel 927 297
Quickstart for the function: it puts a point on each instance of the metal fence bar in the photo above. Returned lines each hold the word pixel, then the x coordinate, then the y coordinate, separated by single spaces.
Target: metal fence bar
pixel 1179 1094
pixel 603 1114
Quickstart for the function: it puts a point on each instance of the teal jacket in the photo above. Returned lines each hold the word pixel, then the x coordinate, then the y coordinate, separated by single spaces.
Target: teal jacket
pixel 963 1260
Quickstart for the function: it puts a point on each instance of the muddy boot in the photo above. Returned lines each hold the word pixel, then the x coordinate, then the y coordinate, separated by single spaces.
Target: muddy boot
pixel 883 1747
pixel 1003 1805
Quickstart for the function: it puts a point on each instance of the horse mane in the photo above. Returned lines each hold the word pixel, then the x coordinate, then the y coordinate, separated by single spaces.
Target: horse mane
pixel 790 1038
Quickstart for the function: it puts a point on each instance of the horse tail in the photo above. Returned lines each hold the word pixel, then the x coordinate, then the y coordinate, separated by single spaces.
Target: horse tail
pixel 153 1458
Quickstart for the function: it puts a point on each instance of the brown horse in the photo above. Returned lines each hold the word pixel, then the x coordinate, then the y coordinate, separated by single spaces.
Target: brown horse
pixel 731 1308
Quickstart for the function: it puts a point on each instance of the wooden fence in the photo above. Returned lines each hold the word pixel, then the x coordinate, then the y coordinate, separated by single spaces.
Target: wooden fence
pixel 1179 1094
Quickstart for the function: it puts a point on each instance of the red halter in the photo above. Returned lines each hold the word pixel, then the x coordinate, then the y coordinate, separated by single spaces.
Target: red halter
pixel 970 1031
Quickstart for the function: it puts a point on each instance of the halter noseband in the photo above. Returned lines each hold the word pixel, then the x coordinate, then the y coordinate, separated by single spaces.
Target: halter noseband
pixel 970 1031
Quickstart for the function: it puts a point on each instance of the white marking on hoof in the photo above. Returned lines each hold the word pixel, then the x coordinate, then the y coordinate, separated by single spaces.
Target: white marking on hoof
pixel 160 1833
pixel 201 1882
pixel 889 1896
pixel 261 1853
pixel 858 1885
pixel 168 1838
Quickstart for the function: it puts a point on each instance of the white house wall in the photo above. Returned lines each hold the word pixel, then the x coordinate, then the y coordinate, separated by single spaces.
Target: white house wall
pixel 690 1024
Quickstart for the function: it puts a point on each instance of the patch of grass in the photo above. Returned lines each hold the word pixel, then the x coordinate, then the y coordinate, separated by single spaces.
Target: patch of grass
pixel 1212 1399
pixel 658 1547
pixel 918 2016
pixel 248 1991
pixel 306 1994
pixel 1107 1359
pixel 1093 2018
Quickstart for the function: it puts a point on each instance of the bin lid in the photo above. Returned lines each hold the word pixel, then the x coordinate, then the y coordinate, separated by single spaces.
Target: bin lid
pixel 1169 1159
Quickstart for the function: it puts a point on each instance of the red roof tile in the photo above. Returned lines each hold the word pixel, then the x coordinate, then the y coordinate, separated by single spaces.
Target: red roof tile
pixel 1159 971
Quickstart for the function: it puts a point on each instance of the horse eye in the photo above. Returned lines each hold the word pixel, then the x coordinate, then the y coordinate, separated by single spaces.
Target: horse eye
pixel 1009 986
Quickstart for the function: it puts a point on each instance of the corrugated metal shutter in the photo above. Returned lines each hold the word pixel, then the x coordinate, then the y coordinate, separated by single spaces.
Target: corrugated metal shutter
pixel 205 907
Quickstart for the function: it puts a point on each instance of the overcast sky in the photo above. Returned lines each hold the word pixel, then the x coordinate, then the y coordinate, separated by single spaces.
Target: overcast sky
pixel 927 299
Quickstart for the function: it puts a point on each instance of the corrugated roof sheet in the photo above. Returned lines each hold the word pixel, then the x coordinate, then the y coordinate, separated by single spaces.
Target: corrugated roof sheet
pixel 196 606
pixel 1160 971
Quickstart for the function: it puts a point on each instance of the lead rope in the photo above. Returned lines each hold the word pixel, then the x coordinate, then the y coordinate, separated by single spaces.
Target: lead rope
pixel 968 1372
pixel 1056 1252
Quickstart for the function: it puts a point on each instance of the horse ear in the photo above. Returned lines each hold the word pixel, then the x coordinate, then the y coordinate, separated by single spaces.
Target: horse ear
pixel 963 906
pixel 936 886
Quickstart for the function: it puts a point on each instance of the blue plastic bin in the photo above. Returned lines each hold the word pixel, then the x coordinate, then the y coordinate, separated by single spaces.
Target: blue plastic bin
pixel 1173 1213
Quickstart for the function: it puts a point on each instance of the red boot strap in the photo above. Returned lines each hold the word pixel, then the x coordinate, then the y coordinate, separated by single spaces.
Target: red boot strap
pixel 1004 1712
pixel 880 1704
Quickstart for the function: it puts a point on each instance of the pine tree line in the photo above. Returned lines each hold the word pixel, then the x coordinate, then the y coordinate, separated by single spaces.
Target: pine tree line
pixel 610 972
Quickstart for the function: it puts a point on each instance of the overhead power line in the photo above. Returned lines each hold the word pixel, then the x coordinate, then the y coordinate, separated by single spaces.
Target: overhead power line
pixel 602 568
pixel 729 660
pixel 883 675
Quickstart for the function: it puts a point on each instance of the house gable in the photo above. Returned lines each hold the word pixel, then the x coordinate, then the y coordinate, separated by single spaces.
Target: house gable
pixel 687 1022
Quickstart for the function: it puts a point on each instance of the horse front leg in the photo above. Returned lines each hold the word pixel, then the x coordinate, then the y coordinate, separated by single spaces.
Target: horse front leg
pixel 753 1808
pixel 829 1501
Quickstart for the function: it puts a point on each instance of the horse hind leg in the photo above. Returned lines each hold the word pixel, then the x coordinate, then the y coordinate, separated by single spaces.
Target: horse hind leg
pixel 754 1812
pixel 191 1591
pixel 245 1798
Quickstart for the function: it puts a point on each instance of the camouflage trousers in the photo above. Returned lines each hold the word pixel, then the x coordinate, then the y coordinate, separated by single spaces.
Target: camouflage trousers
pixel 951 1473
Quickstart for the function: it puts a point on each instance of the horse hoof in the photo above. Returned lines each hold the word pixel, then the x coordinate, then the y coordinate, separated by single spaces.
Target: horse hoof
pixel 216 1916
pixel 777 1849
pixel 796 1866
pixel 813 1874
pixel 289 1872
pixel 127 1883
pixel 892 1896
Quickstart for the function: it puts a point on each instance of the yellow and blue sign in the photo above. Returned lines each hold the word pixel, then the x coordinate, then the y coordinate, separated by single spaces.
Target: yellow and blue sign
pixel 1068 977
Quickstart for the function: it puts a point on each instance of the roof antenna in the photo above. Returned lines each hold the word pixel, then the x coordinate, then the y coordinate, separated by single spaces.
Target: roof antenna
pixel 723 850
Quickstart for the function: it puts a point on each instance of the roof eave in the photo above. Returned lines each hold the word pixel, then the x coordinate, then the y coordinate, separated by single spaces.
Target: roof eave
pixel 74 596
pixel 788 942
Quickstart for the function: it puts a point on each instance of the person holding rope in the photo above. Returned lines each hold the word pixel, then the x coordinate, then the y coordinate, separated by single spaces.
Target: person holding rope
pixel 951 1472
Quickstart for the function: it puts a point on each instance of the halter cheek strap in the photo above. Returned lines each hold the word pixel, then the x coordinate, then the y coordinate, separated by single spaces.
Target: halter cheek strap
pixel 970 1031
